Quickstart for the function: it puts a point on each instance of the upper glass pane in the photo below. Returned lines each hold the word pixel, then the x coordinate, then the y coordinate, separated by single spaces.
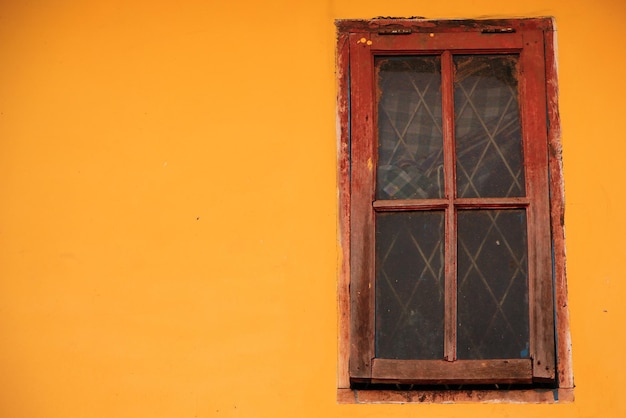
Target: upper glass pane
pixel 410 139
pixel 489 161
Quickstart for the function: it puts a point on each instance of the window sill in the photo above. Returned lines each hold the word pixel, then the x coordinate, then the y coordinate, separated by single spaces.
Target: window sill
pixel 537 396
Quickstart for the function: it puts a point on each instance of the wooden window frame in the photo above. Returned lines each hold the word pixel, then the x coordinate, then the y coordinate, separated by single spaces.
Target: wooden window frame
pixel 358 42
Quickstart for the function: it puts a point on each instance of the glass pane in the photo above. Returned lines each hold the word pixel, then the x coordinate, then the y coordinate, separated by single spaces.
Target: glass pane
pixel 492 284
pixel 409 285
pixel 487 127
pixel 410 140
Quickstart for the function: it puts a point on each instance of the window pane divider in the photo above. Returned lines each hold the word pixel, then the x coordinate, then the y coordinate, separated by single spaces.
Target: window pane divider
pixel 492 203
pixel 409 204
pixel 450 309
pixel 441 204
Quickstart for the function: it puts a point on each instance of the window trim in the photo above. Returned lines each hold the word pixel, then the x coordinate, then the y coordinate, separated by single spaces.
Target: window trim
pixel 354 31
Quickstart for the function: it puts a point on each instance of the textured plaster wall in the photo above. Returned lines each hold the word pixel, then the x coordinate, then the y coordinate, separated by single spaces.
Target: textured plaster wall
pixel 168 242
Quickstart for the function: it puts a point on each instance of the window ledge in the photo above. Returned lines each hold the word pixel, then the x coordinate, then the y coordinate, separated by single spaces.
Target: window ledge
pixel 544 396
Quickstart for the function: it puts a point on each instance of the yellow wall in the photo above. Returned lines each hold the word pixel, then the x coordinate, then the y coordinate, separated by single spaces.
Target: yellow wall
pixel 168 241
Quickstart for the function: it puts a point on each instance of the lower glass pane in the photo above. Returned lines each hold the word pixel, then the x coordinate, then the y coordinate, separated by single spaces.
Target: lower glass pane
pixel 410 285
pixel 492 284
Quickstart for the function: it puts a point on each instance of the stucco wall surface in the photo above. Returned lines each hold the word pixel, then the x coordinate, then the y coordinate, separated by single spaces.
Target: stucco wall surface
pixel 168 215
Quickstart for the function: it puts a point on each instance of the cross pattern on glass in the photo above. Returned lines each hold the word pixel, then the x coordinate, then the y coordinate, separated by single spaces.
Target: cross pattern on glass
pixel 411 151
pixel 498 136
pixel 498 301
pixel 404 301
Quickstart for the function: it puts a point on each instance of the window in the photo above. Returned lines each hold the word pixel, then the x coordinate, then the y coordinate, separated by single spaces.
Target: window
pixel 451 205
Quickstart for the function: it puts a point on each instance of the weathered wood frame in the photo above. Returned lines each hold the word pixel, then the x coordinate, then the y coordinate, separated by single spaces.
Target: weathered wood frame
pixel 358 41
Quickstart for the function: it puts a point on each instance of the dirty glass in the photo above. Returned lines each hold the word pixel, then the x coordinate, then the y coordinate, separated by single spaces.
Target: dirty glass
pixel 410 138
pixel 492 284
pixel 487 126
pixel 409 285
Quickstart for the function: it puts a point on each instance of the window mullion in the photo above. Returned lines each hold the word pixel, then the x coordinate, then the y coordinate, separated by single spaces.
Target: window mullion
pixel 447 86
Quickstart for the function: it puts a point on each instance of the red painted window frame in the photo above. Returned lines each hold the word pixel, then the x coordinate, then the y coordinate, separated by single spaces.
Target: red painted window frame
pixel 358 43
